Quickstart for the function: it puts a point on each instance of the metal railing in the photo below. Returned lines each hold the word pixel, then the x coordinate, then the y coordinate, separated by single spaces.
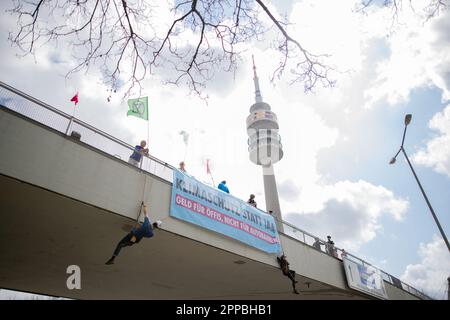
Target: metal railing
pixel 309 239
pixel 56 119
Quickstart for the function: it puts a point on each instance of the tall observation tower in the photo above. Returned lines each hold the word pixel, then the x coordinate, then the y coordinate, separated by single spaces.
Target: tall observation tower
pixel 264 146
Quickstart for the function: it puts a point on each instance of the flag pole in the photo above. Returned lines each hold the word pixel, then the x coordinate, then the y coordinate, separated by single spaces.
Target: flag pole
pixel 73 115
pixel 212 178
pixel 70 124
pixel 74 110
pixel 148 132
pixel 148 124
pixel 75 105
pixel 209 171
pixel 145 176
pixel 185 136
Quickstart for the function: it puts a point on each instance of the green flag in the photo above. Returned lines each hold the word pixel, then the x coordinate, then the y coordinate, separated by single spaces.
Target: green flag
pixel 138 108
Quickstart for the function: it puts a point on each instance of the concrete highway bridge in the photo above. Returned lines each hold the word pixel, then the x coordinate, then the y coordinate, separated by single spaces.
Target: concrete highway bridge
pixel 67 202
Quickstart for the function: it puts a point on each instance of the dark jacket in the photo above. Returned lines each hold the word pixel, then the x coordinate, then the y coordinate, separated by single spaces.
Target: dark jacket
pixel 137 155
pixel 223 187
pixel 144 231
pixel 284 265
pixel 252 202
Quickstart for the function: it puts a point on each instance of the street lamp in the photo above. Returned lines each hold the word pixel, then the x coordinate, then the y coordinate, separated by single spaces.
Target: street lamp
pixel 407 122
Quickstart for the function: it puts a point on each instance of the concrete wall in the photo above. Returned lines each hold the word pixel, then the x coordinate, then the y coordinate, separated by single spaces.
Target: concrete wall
pixel 34 154
pixel 311 263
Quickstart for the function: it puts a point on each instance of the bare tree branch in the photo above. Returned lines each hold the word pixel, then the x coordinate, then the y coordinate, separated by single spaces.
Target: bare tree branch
pixel 125 40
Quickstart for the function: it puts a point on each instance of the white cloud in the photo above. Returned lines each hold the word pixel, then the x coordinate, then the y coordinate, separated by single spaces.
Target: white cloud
pixel 430 275
pixel 437 151
pixel 349 211
pixel 419 58
pixel 329 27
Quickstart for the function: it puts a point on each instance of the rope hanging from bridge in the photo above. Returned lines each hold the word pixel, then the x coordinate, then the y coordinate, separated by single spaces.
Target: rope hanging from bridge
pixel 143 196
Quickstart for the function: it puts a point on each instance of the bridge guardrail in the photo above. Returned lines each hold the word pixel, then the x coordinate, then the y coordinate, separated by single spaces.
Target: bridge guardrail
pixel 54 118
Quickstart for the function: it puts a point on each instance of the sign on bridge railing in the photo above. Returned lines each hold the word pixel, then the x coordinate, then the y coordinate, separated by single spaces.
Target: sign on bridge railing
pixel 213 209
pixel 364 278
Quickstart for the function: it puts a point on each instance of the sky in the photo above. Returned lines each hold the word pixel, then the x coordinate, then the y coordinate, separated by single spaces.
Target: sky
pixel 335 178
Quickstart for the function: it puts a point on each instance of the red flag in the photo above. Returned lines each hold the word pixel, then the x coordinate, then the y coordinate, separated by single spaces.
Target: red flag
pixel 208 171
pixel 75 98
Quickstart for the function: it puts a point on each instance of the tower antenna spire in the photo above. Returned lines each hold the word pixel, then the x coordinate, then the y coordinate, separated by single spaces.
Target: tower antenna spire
pixel 258 97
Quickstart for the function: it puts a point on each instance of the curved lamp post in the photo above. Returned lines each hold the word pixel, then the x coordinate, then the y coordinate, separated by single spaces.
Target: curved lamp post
pixel 407 122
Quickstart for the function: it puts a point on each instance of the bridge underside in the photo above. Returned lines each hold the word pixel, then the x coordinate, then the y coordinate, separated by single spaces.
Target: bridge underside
pixel 42 233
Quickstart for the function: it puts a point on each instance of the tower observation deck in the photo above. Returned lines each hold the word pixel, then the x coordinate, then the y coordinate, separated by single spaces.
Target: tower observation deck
pixel 264 146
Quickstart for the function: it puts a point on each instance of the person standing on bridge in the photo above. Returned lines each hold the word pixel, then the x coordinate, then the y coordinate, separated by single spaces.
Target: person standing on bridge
pixel 136 156
pixel 223 186
pixel 252 201
pixel 134 236
pixel 182 167
pixel 317 244
pixel 329 245
pixel 330 248
pixel 284 265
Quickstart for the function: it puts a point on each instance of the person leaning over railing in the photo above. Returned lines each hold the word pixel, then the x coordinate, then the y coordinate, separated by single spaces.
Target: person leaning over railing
pixel 182 167
pixel 343 254
pixel 251 201
pixel 317 244
pixel 136 156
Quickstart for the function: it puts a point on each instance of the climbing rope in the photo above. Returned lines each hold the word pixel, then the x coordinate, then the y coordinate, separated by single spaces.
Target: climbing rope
pixel 143 195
